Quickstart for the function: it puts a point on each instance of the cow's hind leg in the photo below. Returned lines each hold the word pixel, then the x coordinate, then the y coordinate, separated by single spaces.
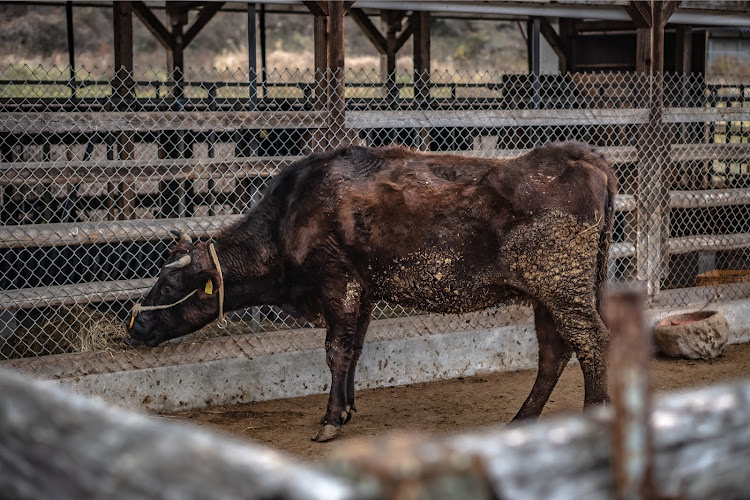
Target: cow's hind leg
pixel 363 321
pixel 584 330
pixel 554 354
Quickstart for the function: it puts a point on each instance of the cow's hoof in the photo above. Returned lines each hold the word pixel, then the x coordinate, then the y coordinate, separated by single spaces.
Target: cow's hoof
pixel 347 414
pixel 326 433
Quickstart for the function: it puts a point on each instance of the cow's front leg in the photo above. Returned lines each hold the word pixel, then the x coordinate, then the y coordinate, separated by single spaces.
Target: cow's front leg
pixel 342 310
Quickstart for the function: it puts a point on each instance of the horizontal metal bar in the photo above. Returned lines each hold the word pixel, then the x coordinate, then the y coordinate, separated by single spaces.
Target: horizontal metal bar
pixel 621 250
pixel 709 198
pixel 708 242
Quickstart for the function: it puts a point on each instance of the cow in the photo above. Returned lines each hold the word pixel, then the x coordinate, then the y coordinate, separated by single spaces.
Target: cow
pixel 339 231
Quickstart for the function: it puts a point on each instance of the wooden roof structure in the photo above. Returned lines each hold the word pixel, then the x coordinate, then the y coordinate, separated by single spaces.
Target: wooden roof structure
pixel 586 35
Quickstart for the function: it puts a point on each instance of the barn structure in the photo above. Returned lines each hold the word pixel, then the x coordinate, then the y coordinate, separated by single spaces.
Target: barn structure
pixel 98 166
pixel 96 169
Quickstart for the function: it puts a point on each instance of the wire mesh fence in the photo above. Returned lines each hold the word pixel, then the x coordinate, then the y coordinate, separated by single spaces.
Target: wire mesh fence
pixel 98 167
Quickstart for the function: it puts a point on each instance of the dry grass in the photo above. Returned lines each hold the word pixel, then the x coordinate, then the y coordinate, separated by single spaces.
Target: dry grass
pixel 72 330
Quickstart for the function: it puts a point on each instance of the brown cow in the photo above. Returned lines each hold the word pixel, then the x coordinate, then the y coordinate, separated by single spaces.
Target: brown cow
pixel 339 231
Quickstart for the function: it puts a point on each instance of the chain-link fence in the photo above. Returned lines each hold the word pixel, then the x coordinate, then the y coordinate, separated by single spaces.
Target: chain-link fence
pixel 97 168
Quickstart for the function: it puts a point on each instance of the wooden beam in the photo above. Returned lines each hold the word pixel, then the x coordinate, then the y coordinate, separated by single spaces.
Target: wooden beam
pixel 404 36
pixel 205 14
pixel 369 29
pixel 70 295
pixel 668 9
pixel 492 118
pixel 95 233
pixel 146 121
pixel 640 13
pixel 91 172
pixel 152 23
pixel 580 26
pixel 317 8
pixel 553 39
pixel 684 50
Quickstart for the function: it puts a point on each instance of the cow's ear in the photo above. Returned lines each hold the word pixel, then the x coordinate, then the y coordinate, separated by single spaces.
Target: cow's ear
pixel 208 282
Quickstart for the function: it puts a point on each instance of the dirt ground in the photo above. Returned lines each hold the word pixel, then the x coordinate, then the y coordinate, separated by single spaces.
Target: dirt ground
pixel 442 407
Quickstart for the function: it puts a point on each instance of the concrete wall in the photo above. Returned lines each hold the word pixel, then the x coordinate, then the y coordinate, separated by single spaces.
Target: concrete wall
pixel 389 362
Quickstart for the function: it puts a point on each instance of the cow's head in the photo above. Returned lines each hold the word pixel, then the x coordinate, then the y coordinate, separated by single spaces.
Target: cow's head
pixel 184 299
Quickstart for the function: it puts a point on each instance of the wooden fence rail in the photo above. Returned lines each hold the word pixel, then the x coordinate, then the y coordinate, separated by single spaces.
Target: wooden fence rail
pixel 59 445
pixel 77 122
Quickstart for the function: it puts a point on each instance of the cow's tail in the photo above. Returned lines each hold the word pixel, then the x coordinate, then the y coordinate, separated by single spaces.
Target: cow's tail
pixel 605 237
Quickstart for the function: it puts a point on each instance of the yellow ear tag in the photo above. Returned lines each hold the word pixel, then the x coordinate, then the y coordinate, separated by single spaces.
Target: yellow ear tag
pixel 209 287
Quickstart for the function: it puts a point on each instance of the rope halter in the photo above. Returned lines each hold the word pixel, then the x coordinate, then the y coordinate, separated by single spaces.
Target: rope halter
pixel 222 321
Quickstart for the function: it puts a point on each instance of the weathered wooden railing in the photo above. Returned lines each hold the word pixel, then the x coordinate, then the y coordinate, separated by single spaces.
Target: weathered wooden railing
pixel 59 445
pixel 136 175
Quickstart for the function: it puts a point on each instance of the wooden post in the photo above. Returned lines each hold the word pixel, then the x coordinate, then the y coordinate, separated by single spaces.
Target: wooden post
pixel 122 18
pixel 684 49
pixel 251 55
pixel 567 32
pixel 630 355
pixel 71 44
pixel 652 247
pixel 661 141
pixel 336 105
pixel 421 55
pixel 421 22
pixel 263 55
pixel 177 19
pixel 391 20
pixel 175 194
pixel 315 139
pixel 320 30
pixel 534 58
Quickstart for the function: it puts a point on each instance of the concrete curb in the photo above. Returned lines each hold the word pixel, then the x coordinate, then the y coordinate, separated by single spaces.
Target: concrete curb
pixel 383 363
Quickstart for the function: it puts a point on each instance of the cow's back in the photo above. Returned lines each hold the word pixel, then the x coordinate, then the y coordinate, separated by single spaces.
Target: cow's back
pixel 394 199
pixel 435 230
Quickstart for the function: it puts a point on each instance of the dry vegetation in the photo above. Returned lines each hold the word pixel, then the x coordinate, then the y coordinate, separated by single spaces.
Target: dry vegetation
pixel 69 330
